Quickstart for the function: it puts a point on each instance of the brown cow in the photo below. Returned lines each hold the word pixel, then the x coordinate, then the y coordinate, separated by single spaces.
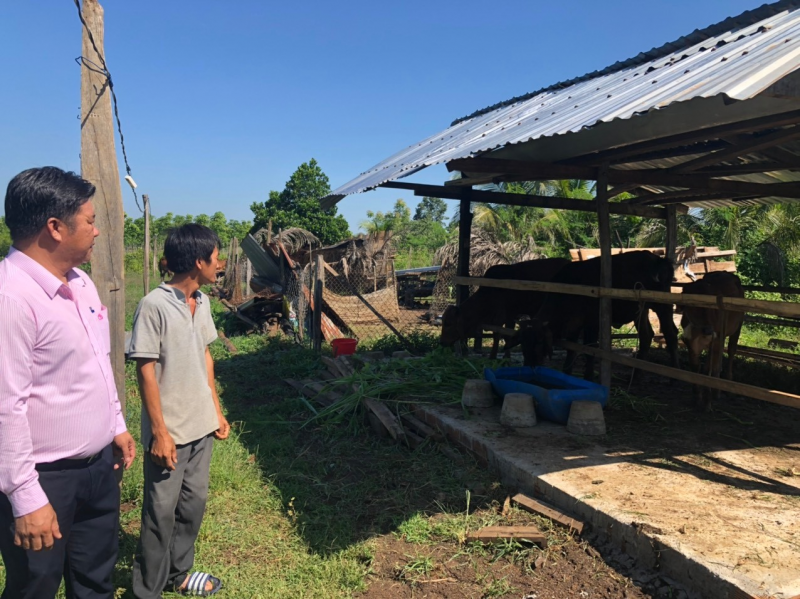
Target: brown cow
pixel 564 316
pixel 498 307
pixel 701 329
pixel 163 268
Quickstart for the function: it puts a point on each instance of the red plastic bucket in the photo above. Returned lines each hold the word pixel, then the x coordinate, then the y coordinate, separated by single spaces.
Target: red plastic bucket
pixel 344 347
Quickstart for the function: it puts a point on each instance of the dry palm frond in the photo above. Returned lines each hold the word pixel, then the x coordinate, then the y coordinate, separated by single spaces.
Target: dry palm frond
pixel 487 251
pixel 296 239
pixel 364 255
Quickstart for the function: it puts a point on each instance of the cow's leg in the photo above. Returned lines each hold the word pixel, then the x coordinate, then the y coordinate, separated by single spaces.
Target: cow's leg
pixel 669 330
pixel 509 342
pixel 477 344
pixel 645 331
pixel 569 361
pixel 495 346
pixel 591 335
pixel 694 365
pixel 733 345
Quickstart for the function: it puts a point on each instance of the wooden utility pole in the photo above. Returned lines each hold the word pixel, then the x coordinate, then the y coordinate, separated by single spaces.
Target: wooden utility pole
pixel 146 269
pixel 319 284
pixel 604 228
pixel 99 165
pixel 155 254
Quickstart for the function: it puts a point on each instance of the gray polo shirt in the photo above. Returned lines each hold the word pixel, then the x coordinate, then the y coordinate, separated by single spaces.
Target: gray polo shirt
pixel 164 329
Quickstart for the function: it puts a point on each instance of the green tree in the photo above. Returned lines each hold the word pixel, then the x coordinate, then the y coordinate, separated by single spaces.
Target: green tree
pixel 5 237
pixel 396 220
pixel 432 209
pixel 298 206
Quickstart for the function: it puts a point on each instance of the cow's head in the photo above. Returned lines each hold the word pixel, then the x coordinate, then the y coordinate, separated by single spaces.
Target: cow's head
pixel 662 273
pixel 698 329
pixel 537 342
pixel 451 331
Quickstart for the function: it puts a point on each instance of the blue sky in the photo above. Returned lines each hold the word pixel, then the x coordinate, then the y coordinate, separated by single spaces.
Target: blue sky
pixel 220 101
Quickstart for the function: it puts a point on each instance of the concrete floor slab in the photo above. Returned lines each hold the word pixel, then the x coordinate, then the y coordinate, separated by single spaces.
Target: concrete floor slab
pixel 679 515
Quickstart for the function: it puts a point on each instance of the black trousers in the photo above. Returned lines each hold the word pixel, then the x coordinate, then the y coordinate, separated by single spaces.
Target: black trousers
pixel 86 502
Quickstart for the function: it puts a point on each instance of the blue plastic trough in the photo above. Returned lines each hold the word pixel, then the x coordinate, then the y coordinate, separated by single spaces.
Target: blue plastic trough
pixel 553 391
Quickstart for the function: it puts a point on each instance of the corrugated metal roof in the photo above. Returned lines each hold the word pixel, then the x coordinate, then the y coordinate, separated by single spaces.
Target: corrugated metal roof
pixel 737 58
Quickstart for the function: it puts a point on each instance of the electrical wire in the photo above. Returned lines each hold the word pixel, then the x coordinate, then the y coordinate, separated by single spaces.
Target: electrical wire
pixel 103 69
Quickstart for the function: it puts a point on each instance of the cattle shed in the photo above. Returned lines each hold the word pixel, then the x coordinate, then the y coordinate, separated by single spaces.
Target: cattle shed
pixel 711 119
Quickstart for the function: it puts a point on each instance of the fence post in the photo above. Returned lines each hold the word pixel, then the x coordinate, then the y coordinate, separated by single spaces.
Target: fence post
pixel 146 269
pixel 319 284
pixel 604 229
pixel 155 254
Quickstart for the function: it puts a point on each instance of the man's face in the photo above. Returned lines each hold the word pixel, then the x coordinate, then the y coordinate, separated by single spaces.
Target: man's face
pixel 208 270
pixel 77 237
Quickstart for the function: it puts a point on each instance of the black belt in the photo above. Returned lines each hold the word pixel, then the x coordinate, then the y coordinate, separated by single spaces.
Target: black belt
pixel 68 464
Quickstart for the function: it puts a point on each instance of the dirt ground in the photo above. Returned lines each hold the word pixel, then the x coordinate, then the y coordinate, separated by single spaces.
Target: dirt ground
pixel 568 568
pixel 722 487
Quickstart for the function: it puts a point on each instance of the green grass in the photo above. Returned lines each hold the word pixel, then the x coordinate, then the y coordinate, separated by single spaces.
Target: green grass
pixel 293 510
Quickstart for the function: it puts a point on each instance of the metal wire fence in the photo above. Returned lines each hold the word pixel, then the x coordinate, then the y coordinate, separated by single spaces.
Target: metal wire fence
pixel 368 303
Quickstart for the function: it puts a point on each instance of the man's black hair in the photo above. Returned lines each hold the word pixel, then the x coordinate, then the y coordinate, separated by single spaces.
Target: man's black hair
pixel 187 244
pixel 38 194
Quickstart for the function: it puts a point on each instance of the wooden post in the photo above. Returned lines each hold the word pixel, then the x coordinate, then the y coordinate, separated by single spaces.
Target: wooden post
pixel 464 237
pixel 604 229
pixel 319 284
pixel 248 275
pixel 99 165
pixel 155 255
pixel 146 269
pixel 269 232
pixel 672 234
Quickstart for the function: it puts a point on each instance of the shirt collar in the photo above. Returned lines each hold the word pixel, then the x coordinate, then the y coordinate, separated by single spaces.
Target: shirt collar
pixel 46 280
pixel 179 295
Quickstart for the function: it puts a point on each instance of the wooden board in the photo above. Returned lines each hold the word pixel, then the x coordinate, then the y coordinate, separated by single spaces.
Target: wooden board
pixel 785 309
pixel 491 534
pixel 536 507
pixel 708 266
pixel 772 396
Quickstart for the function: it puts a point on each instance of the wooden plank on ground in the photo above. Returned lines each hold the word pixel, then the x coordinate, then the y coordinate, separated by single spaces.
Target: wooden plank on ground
pixel 389 420
pixel 536 507
pixel 421 428
pixel 491 534
pixel 332 367
pixel 782 343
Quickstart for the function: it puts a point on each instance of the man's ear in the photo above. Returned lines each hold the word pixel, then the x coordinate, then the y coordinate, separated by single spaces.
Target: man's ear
pixel 55 228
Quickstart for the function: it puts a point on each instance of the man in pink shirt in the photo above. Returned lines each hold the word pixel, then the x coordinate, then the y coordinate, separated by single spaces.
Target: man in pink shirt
pixel 62 431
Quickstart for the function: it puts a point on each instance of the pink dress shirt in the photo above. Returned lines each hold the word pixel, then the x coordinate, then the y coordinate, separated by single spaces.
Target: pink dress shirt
pixel 57 394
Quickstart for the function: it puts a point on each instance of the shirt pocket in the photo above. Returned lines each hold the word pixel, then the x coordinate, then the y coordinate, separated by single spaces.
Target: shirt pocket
pixel 102 330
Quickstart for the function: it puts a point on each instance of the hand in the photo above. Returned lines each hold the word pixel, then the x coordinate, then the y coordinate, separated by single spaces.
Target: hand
pixel 224 428
pixel 124 447
pixel 37 530
pixel 163 452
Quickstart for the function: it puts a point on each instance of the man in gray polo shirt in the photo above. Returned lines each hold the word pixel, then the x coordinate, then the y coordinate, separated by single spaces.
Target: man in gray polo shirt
pixel 181 415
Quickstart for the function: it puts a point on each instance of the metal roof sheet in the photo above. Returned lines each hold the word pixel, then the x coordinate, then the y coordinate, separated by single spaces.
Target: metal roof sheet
pixel 743 57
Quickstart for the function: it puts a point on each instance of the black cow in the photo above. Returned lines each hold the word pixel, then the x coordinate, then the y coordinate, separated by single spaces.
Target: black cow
pixel 499 307
pixel 566 316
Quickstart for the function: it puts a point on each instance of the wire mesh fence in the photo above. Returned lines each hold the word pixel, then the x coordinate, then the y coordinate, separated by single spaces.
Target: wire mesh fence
pixel 372 302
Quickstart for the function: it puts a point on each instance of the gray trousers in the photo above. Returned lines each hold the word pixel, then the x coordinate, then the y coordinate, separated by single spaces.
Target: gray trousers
pixel 174 503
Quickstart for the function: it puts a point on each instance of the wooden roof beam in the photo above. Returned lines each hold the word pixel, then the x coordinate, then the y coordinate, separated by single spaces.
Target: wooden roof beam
pixel 751 146
pixel 616 155
pixel 516 170
pixel 519 199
